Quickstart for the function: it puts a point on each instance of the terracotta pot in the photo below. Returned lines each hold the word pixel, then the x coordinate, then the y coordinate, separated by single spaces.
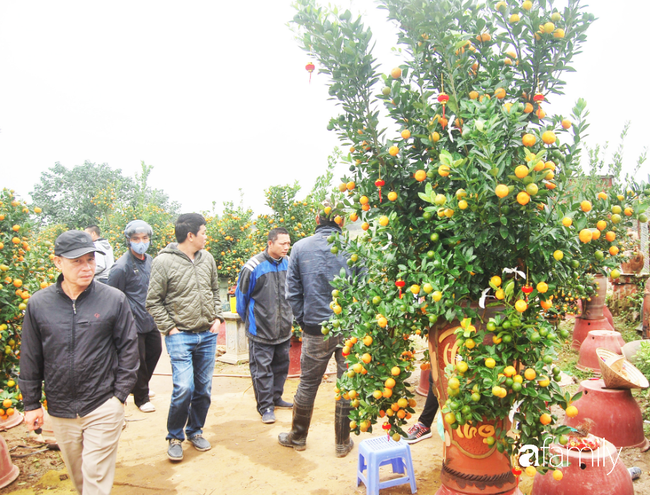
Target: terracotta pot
pixel 606 339
pixel 8 471
pixel 423 386
pixel 593 310
pixel 469 466
pixel 597 473
pixel 616 414
pixel 634 264
pixel 582 327
pixel 294 356
pixel 14 420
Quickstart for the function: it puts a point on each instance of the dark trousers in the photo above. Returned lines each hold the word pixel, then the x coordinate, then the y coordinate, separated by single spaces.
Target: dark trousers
pixel 430 406
pixel 316 354
pixel 149 348
pixel 269 365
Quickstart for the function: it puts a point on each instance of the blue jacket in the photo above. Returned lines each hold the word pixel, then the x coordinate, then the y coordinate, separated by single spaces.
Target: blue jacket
pixel 311 269
pixel 260 299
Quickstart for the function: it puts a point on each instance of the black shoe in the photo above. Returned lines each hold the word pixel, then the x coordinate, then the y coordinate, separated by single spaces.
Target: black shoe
pixel 417 432
pixel 284 403
pixel 268 417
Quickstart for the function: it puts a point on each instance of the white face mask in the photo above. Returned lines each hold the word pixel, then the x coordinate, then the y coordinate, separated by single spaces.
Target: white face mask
pixel 140 247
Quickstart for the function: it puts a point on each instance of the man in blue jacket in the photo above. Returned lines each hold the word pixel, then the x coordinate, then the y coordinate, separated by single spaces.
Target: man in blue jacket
pixel 130 274
pixel 311 269
pixel 261 304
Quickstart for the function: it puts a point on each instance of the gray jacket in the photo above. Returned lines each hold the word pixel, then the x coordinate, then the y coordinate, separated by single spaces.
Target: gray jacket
pixel 104 261
pixel 312 267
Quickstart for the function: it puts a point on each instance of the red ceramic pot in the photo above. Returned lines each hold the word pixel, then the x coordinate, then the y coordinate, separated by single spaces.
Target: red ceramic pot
pixel 582 327
pixel 423 386
pixel 8 471
pixel 606 339
pixel 599 473
pixel 294 356
pixel 470 466
pixel 616 414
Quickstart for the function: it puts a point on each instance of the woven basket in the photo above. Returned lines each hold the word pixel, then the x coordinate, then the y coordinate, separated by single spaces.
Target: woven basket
pixel 618 372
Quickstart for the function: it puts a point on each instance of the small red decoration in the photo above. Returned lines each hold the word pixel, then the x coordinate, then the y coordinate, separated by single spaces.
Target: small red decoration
pixel 400 283
pixel 539 97
pixel 379 183
pixel 527 289
pixel 386 426
pixel 310 68
pixel 443 98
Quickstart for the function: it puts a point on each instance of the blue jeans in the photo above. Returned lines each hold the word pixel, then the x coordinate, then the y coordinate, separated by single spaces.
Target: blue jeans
pixel 192 357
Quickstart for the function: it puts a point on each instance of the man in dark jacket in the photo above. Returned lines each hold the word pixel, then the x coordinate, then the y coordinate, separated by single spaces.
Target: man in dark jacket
pixel 130 274
pixel 79 338
pixel 311 269
pixel 262 306
pixel 183 298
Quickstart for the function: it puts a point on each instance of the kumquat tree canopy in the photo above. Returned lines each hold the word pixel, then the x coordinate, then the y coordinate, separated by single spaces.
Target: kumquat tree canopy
pixel 463 181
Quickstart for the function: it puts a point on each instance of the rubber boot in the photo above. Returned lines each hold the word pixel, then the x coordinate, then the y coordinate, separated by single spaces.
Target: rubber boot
pixel 297 437
pixel 344 443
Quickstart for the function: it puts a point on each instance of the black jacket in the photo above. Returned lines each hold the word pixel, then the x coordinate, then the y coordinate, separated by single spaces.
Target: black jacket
pixel 86 351
pixel 260 299
pixel 131 276
pixel 311 269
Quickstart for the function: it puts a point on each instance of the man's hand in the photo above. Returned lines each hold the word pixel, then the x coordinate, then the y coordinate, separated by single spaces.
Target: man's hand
pixel 215 326
pixel 173 331
pixel 34 419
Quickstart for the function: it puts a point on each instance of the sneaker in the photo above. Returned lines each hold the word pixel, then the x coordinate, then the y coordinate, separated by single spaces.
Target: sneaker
pixel 147 407
pixel 200 443
pixel 284 403
pixel 152 394
pixel 268 417
pixel 417 432
pixel 175 450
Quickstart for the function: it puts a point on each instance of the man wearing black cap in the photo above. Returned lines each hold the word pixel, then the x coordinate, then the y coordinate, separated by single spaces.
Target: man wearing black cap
pixel 79 339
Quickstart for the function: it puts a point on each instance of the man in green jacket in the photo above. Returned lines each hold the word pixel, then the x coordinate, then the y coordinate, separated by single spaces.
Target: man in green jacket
pixel 183 298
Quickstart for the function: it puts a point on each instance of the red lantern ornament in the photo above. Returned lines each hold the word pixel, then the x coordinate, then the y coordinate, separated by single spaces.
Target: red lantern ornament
pixel 386 426
pixel 310 68
pixel 517 472
pixel 527 289
pixel 443 98
pixel 379 183
pixel 400 283
pixel 538 98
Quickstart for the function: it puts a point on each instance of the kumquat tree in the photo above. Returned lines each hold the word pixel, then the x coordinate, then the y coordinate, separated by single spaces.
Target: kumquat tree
pixel 25 267
pixel 462 181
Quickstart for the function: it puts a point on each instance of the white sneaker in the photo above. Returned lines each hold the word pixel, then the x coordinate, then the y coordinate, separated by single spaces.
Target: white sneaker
pixel 147 407
pixel 152 394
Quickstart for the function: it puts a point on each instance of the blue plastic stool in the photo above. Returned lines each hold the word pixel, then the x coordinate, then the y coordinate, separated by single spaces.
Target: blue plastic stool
pixel 376 452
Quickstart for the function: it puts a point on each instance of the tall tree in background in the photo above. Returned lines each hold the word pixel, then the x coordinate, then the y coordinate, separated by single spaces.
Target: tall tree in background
pixel 66 195
pixel 85 194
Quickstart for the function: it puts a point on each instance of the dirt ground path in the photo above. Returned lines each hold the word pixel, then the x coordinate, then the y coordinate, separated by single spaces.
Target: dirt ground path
pixel 246 457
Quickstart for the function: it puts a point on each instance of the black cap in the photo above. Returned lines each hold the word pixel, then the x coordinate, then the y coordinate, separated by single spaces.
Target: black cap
pixel 74 243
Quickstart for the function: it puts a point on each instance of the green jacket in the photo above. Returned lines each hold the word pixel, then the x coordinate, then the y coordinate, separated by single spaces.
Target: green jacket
pixel 182 293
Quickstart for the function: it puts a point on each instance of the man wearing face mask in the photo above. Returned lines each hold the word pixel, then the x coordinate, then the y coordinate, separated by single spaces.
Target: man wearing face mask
pixel 130 274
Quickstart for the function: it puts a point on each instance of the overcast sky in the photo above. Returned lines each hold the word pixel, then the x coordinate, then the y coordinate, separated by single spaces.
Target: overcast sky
pixel 215 95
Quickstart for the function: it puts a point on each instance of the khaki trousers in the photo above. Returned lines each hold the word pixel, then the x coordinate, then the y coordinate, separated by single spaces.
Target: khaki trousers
pixel 89 446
